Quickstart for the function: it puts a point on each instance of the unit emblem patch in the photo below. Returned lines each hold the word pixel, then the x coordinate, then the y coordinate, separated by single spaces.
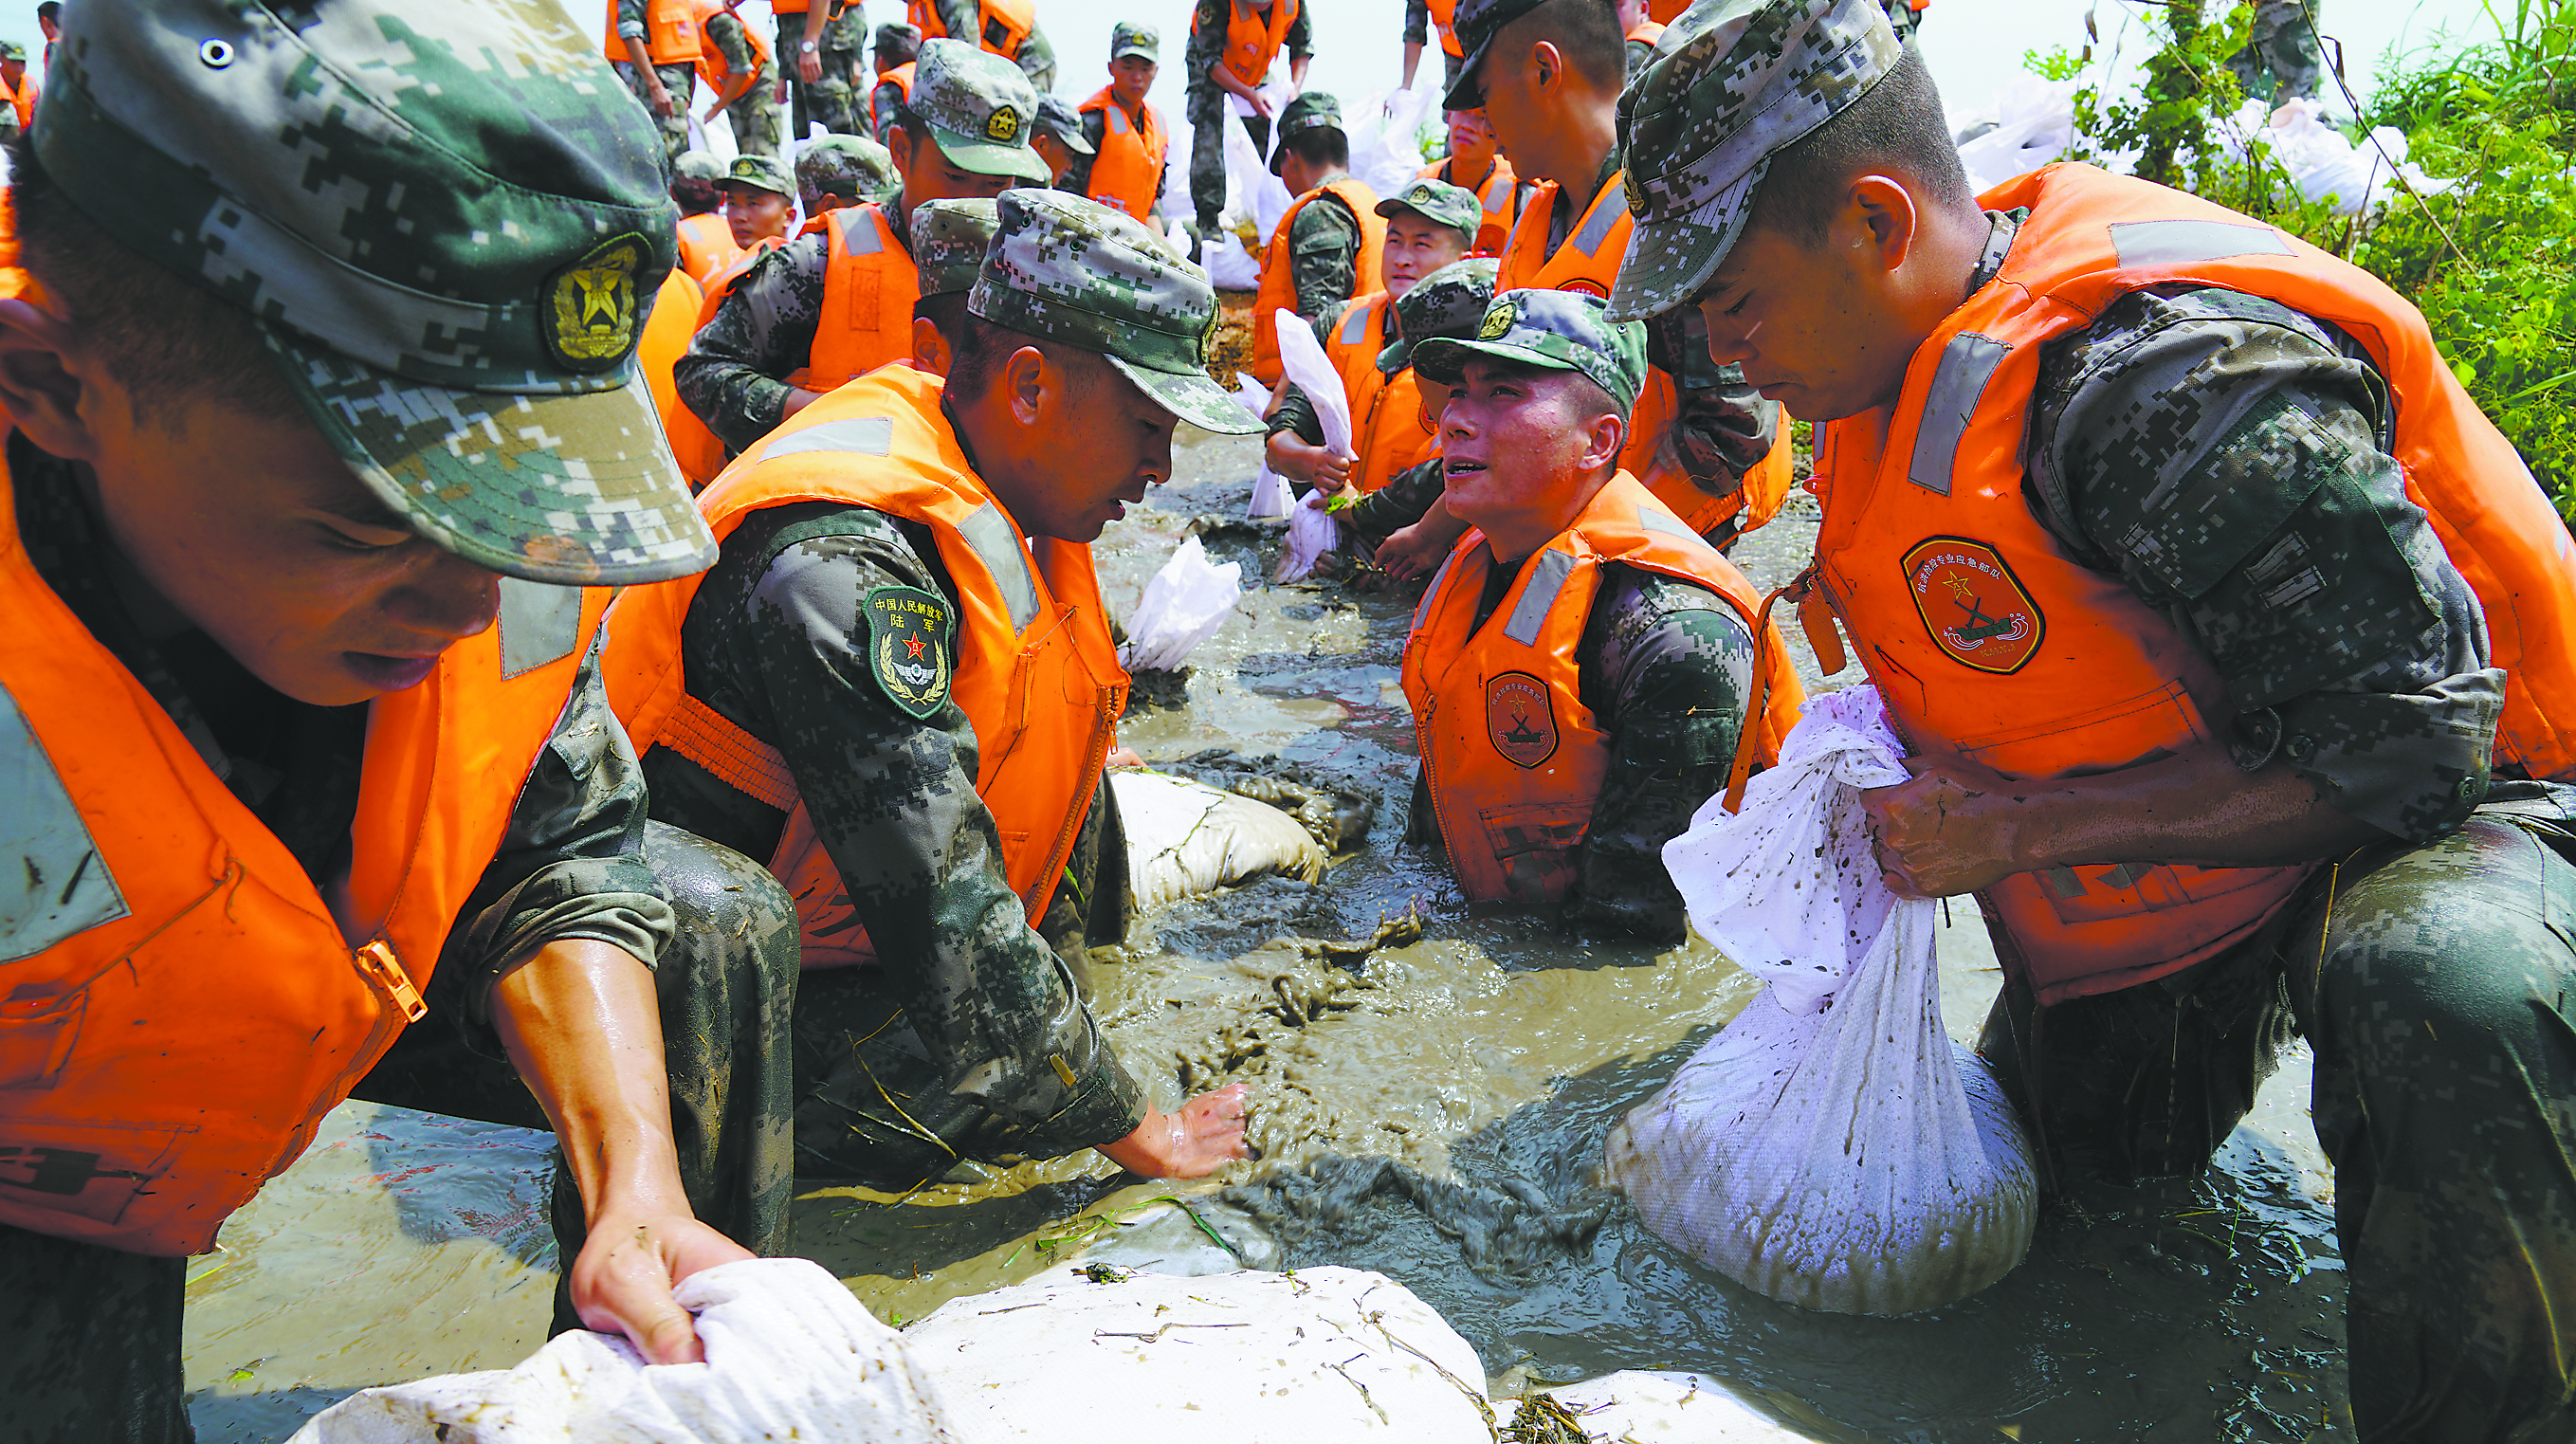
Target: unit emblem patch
pixel 910 647
pixel 1002 125
pixel 590 311
pixel 1520 718
pixel 1973 605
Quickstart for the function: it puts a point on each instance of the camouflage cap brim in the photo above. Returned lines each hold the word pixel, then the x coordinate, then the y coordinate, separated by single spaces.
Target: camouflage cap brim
pixel 1669 260
pixel 1467 92
pixel 1194 397
pixel 573 489
pixel 983 157
pixel 1137 47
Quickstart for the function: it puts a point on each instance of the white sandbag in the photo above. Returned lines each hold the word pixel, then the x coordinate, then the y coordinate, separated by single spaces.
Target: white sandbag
pixel 1250 188
pixel 1666 1408
pixel 1302 357
pixel 1229 266
pixel 2322 163
pixel 1183 605
pixel 1272 498
pixel 1311 533
pixel 790 1355
pixel 1385 136
pixel 1325 1354
pixel 1185 838
pixel 2034 123
pixel 1831 1147
pixel 1251 395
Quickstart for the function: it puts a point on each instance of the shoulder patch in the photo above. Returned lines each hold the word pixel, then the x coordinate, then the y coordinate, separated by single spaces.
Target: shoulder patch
pixel 1972 604
pixel 1520 718
pixel 911 647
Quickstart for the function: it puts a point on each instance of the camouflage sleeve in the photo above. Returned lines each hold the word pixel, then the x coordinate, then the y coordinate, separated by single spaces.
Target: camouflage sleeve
pixel 2226 457
pixel 630 19
pixel 730 375
pixel 1296 413
pixel 1207 41
pixel 725 29
pixel 1077 178
pixel 1417 22
pixel 1398 504
pixel 886 106
pixel 1666 664
pixel 960 18
pixel 1323 254
pixel 1037 60
pixel 1300 39
pixel 1722 428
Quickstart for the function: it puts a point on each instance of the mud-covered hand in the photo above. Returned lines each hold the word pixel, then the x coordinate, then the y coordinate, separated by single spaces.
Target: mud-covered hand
pixel 1952 829
pixel 1413 551
pixel 622 1282
pixel 1206 1135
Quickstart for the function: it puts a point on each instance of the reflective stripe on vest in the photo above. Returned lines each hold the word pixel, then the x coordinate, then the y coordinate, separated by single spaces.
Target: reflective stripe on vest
pixel 178 1007
pixel 869 287
pixel 670 33
pixel 1278 273
pixel 1511 756
pixel 1499 196
pixel 1035 671
pixel 1968 611
pixel 1128 172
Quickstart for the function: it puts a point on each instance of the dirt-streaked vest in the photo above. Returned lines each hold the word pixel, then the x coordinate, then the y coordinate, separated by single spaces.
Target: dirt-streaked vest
pixel 1990 643
pixel 179 1007
pixel 670 33
pixel 1499 195
pixel 1279 273
pixel 1512 757
pixel 1004 25
pixel 1035 670
pixel 1128 171
pixel 1388 434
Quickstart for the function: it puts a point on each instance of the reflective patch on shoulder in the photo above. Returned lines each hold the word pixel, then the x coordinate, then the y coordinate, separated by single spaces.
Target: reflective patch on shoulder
pixel 1431 593
pixel 1958 383
pixel 859 234
pixel 1596 229
pixel 53 883
pixel 539 624
pixel 989 533
pixel 1547 578
pixel 864 435
pixel 1355 323
pixel 2170 243
pixel 1661 519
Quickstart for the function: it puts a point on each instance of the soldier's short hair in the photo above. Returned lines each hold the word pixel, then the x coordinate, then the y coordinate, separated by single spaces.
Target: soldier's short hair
pixel 982 346
pixel 1585 32
pixel 1897 125
pixel 1323 145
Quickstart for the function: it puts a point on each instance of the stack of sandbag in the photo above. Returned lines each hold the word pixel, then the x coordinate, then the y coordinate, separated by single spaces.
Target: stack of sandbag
pixel 1831 1148
pixel 1185 838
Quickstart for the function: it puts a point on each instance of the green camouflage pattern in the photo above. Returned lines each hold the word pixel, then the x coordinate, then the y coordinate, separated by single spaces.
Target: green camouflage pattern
pixel 12 50
pixel 1127 37
pixel 733 373
pixel 1324 241
pixel 1450 302
pixel 1439 203
pixel 680 83
pixel 900 39
pixel 1730 84
pixel 458 309
pixel 1309 110
pixel 754 113
pixel 1068 269
pixel 837 101
pixel 1057 118
pixel 963 20
pixel 697 183
pixel 1558 330
pixel 979 108
pixel 1205 103
pixel 699 165
pixel 1475 23
pixel 761 172
pixel 2282 59
pixel 852 167
pixel 949 241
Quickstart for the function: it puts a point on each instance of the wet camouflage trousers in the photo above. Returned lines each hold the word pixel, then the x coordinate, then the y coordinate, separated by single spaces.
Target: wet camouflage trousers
pixel 754 115
pixel 90 1337
pixel 1208 114
pixel 2440 996
pixel 681 81
pixel 2282 59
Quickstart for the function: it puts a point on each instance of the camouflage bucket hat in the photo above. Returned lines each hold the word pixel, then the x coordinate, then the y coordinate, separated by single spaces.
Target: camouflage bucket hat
pixel 450 222
pixel 849 166
pixel 1731 83
pixel 1560 330
pixel 1069 269
pixel 1475 23
pixel 1311 110
pixel 949 242
pixel 1440 203
pixel 1449 302
pixel 1059 119
pixel 1129 38
pixel 979 108
pixel 764 172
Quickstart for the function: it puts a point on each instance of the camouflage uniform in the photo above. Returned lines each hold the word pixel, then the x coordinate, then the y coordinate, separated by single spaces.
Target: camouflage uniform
pixel 679 80
pixel 755 112
pixel 1417 31
pixel 1902 18
pixel 1206 102
pixel 835 101
pixel 775 640
pixel 2282 59
pixel 963 20
pixel 2181 442
pixel 90 1338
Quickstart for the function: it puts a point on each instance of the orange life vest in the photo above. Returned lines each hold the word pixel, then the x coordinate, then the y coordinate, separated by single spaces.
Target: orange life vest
pixel 706 245
pixel 1665 12
pixel 670 33
pixel 1648 31
pixel 1388 432
pixel 1990 643
pixel 1588 261
pixel 23 97
pixel 1251 42
pixel 1278 270
pixel 1511 756
pixel 184 1008
pixel 1035 670
pixel 665 340
pixel 1128 172
pixel 721 283
pixel 1444 15
pixel 1005 24
pixel 869 286
pixel 901 79
pixel 711 59
pixel 1500 195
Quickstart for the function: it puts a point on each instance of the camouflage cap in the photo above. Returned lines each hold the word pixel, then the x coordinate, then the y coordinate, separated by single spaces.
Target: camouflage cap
pixel 949 241
pixel 449 220
pixel 1730 84
pixel 897 36
pixel 1129 38
pixel 1440 203
pixel 979 108
pixel 1311 110
pixel 1560 330
pixel 1058 118
pixel 698 165
pixel 850 166
pixel 1476 23
pixel 12 50
pixel 1449 302
pixel 764 172
pixel 1069 269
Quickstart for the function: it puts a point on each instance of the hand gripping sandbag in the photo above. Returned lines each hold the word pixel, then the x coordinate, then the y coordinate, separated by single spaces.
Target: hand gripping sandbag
pixel 1310 532
pixel 1831 1148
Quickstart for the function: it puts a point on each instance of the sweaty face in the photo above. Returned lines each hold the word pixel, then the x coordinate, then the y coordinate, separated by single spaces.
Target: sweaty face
pixel 1130 76
pixel 929 176
pixel 1416 246
pixel 1511 441
pixel 752 213
pixel 1105 442
pixel 1804 322
pixel 255 531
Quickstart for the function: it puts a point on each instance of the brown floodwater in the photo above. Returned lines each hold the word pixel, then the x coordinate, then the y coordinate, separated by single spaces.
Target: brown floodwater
pixel 1434 1112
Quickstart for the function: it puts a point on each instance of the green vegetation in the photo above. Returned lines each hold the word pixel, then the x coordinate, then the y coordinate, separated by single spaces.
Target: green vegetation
pixel 2491 261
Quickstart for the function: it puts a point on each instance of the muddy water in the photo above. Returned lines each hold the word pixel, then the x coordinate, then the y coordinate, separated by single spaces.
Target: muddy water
pixel 1435 1112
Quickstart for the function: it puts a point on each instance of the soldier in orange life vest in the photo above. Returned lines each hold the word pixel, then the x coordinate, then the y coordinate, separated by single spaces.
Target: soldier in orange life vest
pixel 837 304
pixel 1474 163
pixel 1007 28
pixel 2236 647
pixel 1132 139
pixel 655 46
pixel 1329 241
pixel 313 780
pixel 1581 667
pixel 20 86
pixel 1640 33
pixel 1421 17
pixel 706 241
pixel 760 200
pixel 1548 75
pixel 898 47
pixel 1232 48
pixel 735 65
pixel 898 685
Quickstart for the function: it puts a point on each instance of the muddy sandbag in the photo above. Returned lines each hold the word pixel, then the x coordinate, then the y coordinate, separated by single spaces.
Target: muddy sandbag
pixel 1185 838
pixel 1100 1355
pixel 1634 1406
pixel 1831 1148
pixel 790 1355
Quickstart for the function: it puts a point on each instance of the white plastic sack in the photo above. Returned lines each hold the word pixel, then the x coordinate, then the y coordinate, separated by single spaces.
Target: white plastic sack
pixel 1831 1148
pixel 1311 533
pixel 1271 496
pixel 1302 357
pixel 1229 266
pixel 790 1355
pixel 1183 606
pixel 2034 122
pixel 1186 838
pixel 1385 136
pixel 2322 163
pixel 1326 1354
pixel 1250 188
pixel 1635 1406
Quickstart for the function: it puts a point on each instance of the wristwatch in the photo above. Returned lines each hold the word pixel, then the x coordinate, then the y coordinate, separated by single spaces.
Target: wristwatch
pixel 807 47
